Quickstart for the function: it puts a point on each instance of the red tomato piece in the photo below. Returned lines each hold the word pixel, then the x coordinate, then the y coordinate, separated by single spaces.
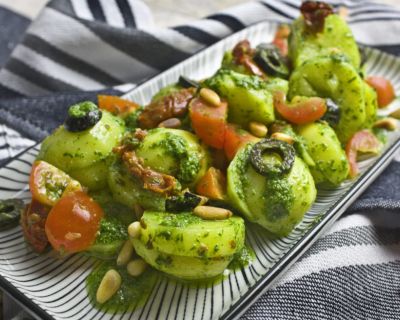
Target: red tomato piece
pixel 116 105
pixel 212 185
pixel 48 183
pixel 383 88
pixel 33 221
pixel 362 141
pixel 281 39
pixel 73 222
pixel 209 122
pixel 235 138
pixel 301 111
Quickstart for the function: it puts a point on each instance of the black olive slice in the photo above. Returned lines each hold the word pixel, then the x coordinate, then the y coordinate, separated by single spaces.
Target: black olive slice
pixel 270 60
pixel 332 114
pixel 188 83
pixel 184 202
pixel 82 116
pixel 10 211
pixel 265 168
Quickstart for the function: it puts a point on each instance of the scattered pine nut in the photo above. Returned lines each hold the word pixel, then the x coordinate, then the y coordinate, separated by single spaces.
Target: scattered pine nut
pixel 109 285
pixel 125 254
pixel 258 129
pixel 395 114
pixel 386 123
pixel 212 213
pixel 210 96
pixel 343 12
pixel 172 123
pixel 283 137
pixel 134 229
pixel 136 267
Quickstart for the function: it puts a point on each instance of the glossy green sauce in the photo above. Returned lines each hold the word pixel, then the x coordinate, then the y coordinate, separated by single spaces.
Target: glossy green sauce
pixel 133 293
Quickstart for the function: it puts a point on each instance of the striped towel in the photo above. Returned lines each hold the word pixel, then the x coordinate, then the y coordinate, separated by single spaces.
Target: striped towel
pixel 77 48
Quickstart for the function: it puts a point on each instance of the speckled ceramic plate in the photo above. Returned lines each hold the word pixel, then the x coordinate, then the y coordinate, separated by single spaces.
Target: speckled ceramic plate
pixel 54 288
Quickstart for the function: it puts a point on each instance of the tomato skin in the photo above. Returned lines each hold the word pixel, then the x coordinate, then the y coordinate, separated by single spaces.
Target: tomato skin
pixel 212 185
pixel 281 39
pixel 363 141
pixel 209 122
pixel 301 112
pixel 236 138
pixel 33 221
pixel 73 222
pixel 384 90
pixel 116 105
pixel 48 183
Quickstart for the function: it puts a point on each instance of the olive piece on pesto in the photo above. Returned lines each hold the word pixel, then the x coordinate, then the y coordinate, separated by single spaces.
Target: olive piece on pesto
pixel 332 115
pixel 270 60
pixel 10 211
pixel 187 83
pixel 82 116
pixel 272 166
pixel 184 202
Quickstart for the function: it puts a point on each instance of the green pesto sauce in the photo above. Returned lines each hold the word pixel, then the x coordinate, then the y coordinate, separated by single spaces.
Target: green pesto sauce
pixel 131 121
pixel 111 230
pixel 177 147
pixel 133 293
pixel 242 258
pixel 79 110
pixel 181 220
pixel 279 198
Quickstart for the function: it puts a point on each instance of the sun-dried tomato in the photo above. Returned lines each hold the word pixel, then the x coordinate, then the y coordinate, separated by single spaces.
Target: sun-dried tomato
pixel 314 13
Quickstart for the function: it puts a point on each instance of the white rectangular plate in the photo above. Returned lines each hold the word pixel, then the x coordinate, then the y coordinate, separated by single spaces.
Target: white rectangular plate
pixel 54 288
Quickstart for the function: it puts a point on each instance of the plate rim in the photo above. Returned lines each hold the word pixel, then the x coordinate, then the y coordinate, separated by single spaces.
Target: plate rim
pixel 287 259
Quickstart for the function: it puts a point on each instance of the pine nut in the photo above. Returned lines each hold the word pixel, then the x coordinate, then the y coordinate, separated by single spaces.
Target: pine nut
pixel 210 96
pixel 395 114
pixel 134 229
pixel 343 12
pixel 109 285
pixel 212 213
pixel 283 137
pixel 386 123
pixel 172 123
pixel 125 253
pixel 136 267
pixel 258 129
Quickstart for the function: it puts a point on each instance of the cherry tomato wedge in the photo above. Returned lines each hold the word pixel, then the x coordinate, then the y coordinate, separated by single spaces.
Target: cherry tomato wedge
pixel 235 138
pixel 281 39
pixel 48 183
pixel 212 185
pixel 116 105
pixel 209 122
pixel 73 222
pixel 362 141
pixel 33 221
pixel 383 88
pixel 301 110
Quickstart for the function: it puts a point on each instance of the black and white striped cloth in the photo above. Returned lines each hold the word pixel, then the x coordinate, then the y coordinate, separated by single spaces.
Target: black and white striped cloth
pixel 77 48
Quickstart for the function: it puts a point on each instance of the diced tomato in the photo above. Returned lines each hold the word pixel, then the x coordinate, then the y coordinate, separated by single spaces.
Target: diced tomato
pixel 383 88
pixel 48 183
pixel 209 122
pixel 33 221
pixel 116 105
pixel 362 141
pixel 212 185
pixel 281 39
pixel 301 111
pixel 73 222
pixel 235 138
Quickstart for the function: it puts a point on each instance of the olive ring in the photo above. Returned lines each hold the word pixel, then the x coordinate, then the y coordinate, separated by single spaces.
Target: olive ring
pixel 284 149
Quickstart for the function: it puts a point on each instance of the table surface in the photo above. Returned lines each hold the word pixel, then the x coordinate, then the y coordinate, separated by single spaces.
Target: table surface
pixel 166 12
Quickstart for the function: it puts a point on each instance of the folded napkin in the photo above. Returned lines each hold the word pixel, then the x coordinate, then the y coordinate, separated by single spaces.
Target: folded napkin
pixel 78 48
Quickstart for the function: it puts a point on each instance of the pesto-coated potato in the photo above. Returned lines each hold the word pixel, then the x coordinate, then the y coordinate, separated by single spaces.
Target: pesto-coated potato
pixel 324 148
pixel 174 152
pixel 336 36
pixel 276 203
pixel 249 97
pixel 333 77
pixel 93 177
pixel 186 246
pixel 77 150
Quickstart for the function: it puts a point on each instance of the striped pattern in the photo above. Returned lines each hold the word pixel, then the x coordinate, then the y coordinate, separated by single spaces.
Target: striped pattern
pixel 57 287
